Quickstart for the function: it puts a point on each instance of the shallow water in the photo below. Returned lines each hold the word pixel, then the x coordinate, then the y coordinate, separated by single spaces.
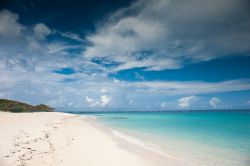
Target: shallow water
pixel 203 137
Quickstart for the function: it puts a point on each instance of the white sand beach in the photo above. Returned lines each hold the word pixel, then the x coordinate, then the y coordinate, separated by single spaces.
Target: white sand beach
pixel 61 139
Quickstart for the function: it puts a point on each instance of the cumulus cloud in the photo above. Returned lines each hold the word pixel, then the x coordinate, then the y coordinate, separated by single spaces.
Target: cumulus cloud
pixel 28 53
pixel 9 25
pixel 105 100
pixel 102 102
pixel 41 31
pixel 91 101
pixel 27 66
pixel 168 105
pixel 214 102
pixel 153 35
pixel 185 102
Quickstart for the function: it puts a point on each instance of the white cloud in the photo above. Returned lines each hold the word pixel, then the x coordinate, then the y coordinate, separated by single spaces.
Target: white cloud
pixel 102 102
pixel 105 100
pixel 214 102
pixel 193 87
pixel 138 76
pixel 9 25
pixel 169 105
pixel 91 102
pixel 153 35
pixel 27 73
pixel 185 102
pixel 60 47
pixel 27 64
pixel 41 31
pixel 164 104
pixel 103 90
pixel 116 81
pixel 70 35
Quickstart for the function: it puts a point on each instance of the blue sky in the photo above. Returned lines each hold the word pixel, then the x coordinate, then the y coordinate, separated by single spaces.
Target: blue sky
pixel 126 55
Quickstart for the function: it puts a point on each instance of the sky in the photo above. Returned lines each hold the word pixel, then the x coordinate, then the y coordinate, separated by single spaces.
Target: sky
pixel 122 55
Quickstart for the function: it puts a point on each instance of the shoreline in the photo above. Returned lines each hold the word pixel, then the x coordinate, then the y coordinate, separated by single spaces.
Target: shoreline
pixel 62 139
pixel 178 151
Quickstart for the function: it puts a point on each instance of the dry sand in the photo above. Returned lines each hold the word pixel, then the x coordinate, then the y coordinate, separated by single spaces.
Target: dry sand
pixel 60 139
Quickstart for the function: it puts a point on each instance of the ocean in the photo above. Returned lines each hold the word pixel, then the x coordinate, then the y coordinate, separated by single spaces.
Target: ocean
pixel 209 138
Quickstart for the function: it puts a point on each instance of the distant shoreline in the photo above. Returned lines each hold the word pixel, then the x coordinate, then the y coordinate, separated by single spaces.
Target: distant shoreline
pixel 173 111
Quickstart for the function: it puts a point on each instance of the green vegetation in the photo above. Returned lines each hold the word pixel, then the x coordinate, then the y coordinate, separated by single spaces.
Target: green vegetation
pixel 15 106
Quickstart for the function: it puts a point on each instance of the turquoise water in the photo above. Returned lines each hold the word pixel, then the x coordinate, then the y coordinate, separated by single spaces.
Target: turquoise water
pixel 190 134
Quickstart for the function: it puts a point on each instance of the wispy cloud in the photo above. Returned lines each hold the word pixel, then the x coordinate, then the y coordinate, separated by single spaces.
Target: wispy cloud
pixel 26 48
pixel 28 60
pixel 153 35
pixel 70 35
pixel 193 87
